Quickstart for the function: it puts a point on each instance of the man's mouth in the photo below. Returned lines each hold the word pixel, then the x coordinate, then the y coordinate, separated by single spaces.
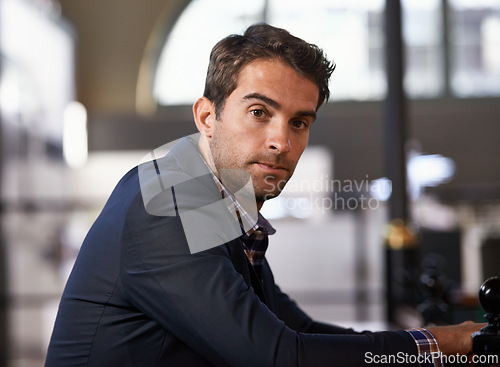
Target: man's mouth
pixel 270 167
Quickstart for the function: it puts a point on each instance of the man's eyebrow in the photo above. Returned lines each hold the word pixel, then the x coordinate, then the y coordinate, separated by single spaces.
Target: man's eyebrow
pixel 267 100
pixel 271 102
pixel 307 114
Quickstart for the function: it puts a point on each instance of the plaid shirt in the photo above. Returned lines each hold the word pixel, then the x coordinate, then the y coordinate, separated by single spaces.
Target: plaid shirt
pixel 427 348
pixel 255 242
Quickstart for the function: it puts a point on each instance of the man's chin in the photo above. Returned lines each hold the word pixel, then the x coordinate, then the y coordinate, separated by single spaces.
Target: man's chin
pixel 261 197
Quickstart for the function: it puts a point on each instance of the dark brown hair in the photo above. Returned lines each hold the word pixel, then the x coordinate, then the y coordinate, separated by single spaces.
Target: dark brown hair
pixel 262 41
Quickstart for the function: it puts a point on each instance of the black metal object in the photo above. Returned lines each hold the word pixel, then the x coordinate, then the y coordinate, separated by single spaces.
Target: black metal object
pixel 434 307
pixel 400 259
pixel 395 120
pixel 487 341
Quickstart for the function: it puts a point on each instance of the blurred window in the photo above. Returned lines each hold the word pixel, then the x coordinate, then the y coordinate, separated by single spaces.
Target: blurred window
pixel 422 34
pixel 352 34
pixel 182 67
pixel 475 47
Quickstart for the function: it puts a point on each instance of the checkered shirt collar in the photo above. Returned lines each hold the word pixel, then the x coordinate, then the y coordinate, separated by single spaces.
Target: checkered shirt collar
pixel 261 227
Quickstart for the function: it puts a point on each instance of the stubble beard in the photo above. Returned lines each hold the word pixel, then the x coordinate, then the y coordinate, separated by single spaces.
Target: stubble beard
pixel 232 176
pixel 273 188
pixel 235 175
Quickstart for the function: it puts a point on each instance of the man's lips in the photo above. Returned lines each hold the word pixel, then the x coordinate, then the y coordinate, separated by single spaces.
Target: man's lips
pixel 271 168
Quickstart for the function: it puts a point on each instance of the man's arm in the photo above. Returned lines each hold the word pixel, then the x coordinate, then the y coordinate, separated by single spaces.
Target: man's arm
pixel 451 339
pixel 203 301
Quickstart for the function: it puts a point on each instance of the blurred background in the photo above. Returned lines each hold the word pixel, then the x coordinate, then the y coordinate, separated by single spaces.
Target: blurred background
pixel 393 216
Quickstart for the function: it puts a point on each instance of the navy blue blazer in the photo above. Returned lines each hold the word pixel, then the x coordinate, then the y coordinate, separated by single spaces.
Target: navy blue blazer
pixel 137 297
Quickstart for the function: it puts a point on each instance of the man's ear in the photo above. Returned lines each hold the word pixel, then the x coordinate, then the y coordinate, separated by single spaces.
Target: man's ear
pixel 204 116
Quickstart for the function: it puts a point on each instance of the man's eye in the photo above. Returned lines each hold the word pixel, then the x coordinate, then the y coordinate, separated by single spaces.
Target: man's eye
pixel 299 124
pixel 257 113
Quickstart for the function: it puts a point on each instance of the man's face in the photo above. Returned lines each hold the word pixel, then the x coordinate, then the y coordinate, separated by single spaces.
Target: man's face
pixel 264 126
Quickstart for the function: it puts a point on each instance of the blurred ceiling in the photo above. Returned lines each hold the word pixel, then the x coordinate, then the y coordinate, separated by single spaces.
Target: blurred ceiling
pixel 113 37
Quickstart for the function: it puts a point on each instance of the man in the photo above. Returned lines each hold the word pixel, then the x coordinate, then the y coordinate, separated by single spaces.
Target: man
pixel 172 273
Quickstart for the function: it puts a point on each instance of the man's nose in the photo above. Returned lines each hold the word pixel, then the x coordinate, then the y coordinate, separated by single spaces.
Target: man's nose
pixel 278 141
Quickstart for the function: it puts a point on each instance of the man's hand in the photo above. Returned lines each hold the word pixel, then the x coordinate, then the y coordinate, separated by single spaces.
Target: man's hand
pixel 455 339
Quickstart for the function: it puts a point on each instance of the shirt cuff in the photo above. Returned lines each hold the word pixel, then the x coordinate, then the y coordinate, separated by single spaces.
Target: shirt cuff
pixel 428 349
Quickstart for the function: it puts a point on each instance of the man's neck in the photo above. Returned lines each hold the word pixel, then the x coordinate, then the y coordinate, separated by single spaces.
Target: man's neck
pixel 204 149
